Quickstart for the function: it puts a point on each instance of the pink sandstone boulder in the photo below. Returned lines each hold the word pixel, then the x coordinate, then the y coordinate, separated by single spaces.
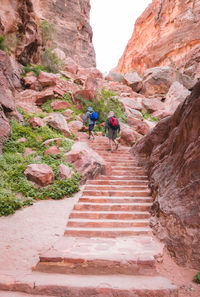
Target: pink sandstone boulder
pixel 128 136
pixel 152 104
pixel 41 174
pixel 36 122
pixel 139 125
pixel 90 72
pixel 67 113
pixel 70 65
pixel 75 125
pixel 170 152
pixel 57 121
pixel 31 82
pixel 176 95
pixel 47 79
pixel 130 103
pixel 85 94
pixel 133 80
pixel 53 150
pixel 28 151
pixel 55 140
pixel 91 84
pixel 115 76
pixel 22 139
pixel 60 104
pixel 65 172
pixel 43 96
pixel 86 161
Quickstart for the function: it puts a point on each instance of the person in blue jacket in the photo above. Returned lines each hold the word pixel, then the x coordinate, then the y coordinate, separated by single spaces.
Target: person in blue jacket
pixel 90 122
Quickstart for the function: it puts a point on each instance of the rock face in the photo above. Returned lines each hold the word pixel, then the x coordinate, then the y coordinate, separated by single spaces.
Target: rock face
pixel 74 33
pixel 41 174
pixel 18 21
pixel 172 156
pixel 166 34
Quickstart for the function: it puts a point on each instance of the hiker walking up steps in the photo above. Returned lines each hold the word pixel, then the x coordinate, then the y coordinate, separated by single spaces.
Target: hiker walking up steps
pixel 113 126
pixel 91 116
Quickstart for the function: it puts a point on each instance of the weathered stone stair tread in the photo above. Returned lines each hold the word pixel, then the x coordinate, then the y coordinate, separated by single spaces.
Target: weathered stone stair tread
pixel 120 193
pixel 124 177
pixel 20 294
pixel 108 199
pixel 118 182
pixel 107 223
pixel 110 214
pixel 116 187
pixel 106 232
pixel 112 206
pixel 92 286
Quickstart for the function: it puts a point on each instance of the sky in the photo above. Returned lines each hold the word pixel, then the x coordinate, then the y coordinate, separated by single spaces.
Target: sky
pixel 112 23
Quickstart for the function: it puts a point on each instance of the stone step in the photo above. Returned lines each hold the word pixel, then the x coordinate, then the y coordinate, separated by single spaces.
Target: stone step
pixel 113 162
pixel 87 223
pixel 117 193
pixel 106 232
pixel 117 182
pixel 101 256
pixel 116 187
pixel 37 283
pixel 126 167
pixel 123 177
pixel 20 294
pixel 105 199
pixel 139 172
pixel 116 215
pixel 113 206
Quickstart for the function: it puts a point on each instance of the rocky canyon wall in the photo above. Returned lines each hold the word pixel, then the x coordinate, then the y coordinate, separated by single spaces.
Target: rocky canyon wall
pixel 166 34
pixel 74 33
pixel 172 155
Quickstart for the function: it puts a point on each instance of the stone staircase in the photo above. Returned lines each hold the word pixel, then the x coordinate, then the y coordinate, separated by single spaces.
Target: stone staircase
pixel 108 249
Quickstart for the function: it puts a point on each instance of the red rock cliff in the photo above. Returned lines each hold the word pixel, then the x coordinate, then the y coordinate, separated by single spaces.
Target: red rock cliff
pixel 74 33
pixel 166 34
pixel 172 156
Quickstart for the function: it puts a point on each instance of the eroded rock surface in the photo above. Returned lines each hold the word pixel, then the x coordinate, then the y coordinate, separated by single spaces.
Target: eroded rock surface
pixel 166 34
pixel 172 156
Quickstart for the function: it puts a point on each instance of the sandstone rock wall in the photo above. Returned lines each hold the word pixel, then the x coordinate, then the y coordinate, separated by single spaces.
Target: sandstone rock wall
pixel 74 33
pixel 166 34
pixel 18 23
pixel 172 155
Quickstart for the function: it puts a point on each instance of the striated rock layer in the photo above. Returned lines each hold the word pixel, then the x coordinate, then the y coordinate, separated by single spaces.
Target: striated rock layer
pixel 166 34
pixel 74 33
pixel 172 154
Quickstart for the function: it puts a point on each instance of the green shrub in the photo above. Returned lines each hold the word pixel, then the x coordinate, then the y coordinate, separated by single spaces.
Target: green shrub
pixel 8 203
pixel 147 116
pixel 3 45
pixel 197 278
pixel 50 60
pixel 46 107
pixel 47 32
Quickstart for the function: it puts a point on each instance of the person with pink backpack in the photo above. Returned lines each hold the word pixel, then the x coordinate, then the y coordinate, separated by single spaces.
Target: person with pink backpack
pixel 113 127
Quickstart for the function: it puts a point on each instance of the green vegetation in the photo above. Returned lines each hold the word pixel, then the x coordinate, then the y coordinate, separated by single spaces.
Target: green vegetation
pixel 13 182
pixel 50 60
pixel 3 46
pixel 147 116
pixel 103 103
pixel 47 33
pixel 35 69
pixel 197 278
pixel 46 107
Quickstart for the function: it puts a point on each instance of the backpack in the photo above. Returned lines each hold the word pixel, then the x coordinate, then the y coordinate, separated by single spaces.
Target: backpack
pixel 114 124
pixel 94 116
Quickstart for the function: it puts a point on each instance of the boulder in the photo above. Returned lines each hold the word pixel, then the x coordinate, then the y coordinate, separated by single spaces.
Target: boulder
pixel 31 82
pixel 139 126
pixel 53 150
pixel 128 136
pixel 60 104
pixel 67 113
pixel 36 122
pixel 85 161
pixel 159 79
pixel 47 79
pixel 152 104
pixel 28 151
pixel 41 174
pixel 85 94
pixel 44 96
pixel 48 141
pixel 133 80
pixel 57 121
pixel 115 76
pixel 65 172
pixel 171 155
pixel 75 126
pixel 91 84
pixel 133 113
pixel 176 95
pixel 70 65
pixel 130 103
pixel 90 72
